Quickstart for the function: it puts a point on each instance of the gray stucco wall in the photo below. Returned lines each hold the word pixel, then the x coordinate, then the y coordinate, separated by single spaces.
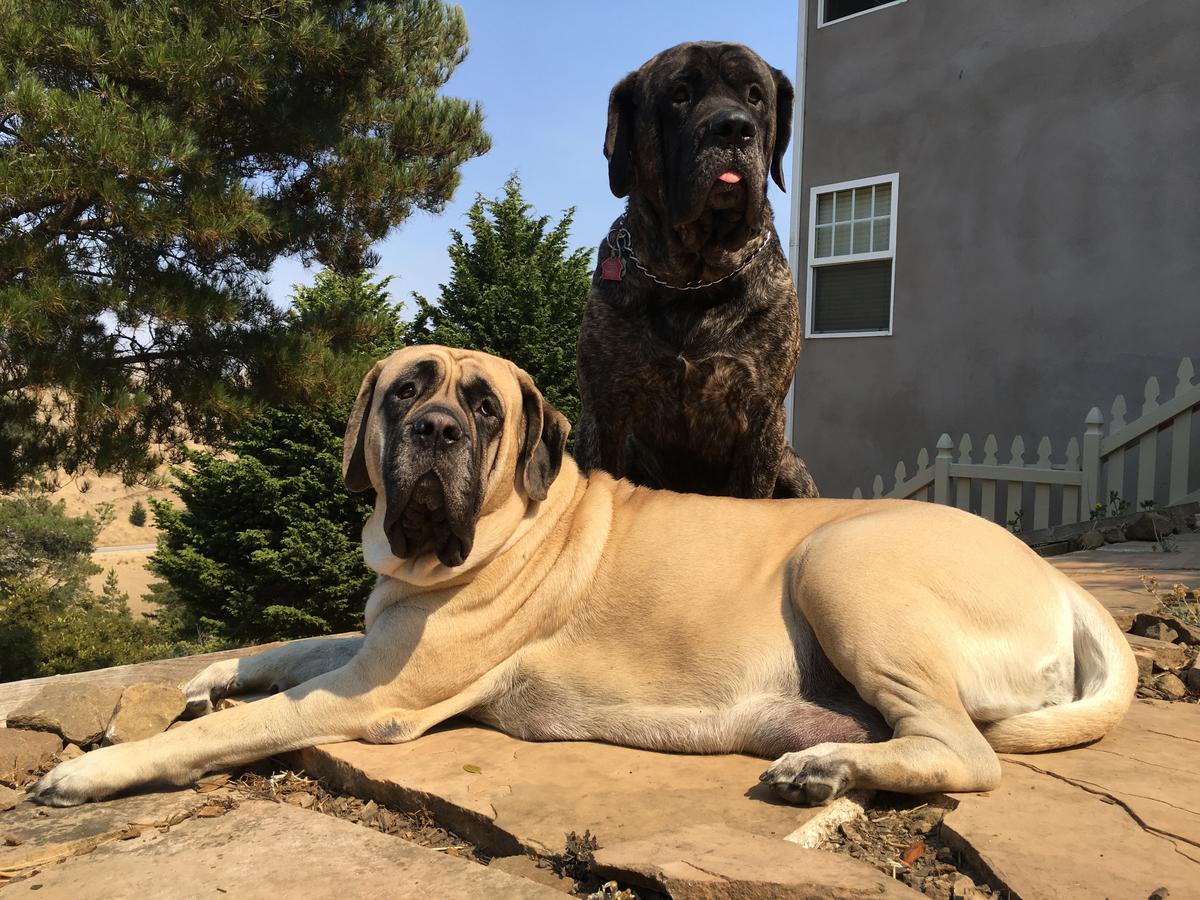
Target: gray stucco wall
pixel 1048 241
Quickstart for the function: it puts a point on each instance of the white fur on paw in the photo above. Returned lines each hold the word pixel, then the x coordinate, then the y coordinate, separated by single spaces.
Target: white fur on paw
pixel 216 682
pixel 811 777
pixel 93 776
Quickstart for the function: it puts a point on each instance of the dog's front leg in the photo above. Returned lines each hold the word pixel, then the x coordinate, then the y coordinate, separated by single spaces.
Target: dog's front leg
pixel 755 463
pixel 268 671
pixel 338 706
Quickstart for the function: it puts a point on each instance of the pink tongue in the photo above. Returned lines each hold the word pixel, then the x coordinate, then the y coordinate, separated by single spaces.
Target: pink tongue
pixel 729 177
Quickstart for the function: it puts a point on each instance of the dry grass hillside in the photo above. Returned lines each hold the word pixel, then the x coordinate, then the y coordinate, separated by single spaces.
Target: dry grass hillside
pixel 85 495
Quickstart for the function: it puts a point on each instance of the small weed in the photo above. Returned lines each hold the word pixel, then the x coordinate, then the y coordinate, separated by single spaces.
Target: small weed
pixel 1014 524
pixel 1179 600
pixel 576 859
pixel 1115 506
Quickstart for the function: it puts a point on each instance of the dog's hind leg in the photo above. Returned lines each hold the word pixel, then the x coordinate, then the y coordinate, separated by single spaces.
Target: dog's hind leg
pixel 268 672
pixel 879 636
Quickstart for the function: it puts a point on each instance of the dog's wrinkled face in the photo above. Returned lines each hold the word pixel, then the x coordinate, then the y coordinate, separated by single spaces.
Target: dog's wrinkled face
pixel 444 435
pixel 695 131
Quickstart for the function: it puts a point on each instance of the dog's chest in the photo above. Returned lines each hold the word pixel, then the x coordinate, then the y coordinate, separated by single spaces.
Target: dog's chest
pixel 705 399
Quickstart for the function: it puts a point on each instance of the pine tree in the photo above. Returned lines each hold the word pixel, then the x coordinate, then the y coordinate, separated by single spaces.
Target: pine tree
pixel 267 545
pixel 514 291
pixel 156 157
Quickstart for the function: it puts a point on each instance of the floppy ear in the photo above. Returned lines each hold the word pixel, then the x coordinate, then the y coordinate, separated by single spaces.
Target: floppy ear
pixel 546 431
pixel 785 100
pixel 619 136
pixel 354 461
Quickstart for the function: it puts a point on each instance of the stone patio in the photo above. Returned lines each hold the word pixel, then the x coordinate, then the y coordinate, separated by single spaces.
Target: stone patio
pixel 1119 818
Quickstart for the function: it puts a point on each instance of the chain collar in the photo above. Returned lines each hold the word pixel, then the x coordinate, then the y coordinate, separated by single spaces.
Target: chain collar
pixel 620 245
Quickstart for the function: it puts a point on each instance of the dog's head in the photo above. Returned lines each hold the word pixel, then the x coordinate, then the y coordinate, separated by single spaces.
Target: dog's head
pixel 446 437
pixel 694 132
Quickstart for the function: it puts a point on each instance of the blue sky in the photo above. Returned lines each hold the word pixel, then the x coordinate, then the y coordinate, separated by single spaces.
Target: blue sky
pixel 542 72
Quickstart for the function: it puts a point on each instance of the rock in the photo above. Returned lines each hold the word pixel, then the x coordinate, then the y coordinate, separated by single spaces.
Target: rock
pixel 70 751
pixel 1171 687
pixel 1188 634
pixel 1192 679
pixel 23 752
pixel 1148 625
pixel 525 867
pixel 310 855
pixel 704 862
pixel 9 798
pixel 1089 540
pixel 528 795
pixel 1149 526
pixel 144 710
pixel 1155 655
pixel 75 712
pixel 1030 835
pixel 1114 534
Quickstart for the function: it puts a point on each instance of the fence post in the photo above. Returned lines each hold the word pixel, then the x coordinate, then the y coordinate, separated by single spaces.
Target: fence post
pixel 941 470
pixel 1089 496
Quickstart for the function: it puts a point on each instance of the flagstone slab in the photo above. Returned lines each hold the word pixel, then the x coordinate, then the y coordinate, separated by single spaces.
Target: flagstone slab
pixel 270 850
pixel 707 862
pixel 1113 573
pixel 1118 818
pixel 507 795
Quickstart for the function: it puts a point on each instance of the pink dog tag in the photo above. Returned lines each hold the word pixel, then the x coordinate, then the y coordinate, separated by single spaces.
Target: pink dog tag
pixel 612 269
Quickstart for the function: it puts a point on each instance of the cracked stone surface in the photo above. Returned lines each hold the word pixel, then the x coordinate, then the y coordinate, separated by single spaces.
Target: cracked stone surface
pixel 1121 815
pixel 714 861
pixel 529 795
pixel 269 850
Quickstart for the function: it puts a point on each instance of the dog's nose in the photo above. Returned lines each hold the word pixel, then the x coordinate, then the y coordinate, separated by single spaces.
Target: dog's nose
pixel 435 429
pixel 733 127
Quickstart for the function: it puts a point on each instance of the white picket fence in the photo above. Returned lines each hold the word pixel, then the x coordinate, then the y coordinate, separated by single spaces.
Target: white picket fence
pixel 1080 481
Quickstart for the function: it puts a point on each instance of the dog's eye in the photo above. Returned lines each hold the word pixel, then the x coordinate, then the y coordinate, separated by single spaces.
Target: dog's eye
pixel 681 94
pixel 487 408
pixel 755 94
pixel 407 391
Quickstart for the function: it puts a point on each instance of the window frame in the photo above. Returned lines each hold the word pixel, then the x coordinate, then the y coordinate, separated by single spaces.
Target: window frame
pixel 822 23
pixel 813 263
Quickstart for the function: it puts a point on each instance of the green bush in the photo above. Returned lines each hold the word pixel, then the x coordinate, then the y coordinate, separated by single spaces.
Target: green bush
pixel 516 291
pixel 50 622
pixel 137 514
pixel 266 546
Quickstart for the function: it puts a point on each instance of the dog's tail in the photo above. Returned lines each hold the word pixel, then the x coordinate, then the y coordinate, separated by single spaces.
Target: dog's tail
pixel 1105 682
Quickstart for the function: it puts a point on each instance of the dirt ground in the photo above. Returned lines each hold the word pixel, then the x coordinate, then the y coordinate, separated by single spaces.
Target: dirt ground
pixel 84 496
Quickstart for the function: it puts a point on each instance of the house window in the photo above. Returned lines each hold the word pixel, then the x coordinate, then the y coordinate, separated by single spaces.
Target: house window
pixel 851 258
pixel 836 10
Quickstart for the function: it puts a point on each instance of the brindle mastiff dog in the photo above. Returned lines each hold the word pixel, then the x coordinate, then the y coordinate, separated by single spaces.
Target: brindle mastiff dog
pixel 555 606
pixel 692 328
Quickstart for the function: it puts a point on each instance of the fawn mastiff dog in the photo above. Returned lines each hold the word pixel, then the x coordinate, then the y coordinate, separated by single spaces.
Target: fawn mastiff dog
pixel 861 644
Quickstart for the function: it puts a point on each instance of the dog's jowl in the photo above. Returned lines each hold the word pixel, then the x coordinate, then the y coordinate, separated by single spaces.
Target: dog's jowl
pixel 554 605
pixel 692 327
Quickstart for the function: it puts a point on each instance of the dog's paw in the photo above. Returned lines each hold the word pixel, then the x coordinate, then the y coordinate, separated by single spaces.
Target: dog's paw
pixel 212 685
pixel 93 776
pixel 811 777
